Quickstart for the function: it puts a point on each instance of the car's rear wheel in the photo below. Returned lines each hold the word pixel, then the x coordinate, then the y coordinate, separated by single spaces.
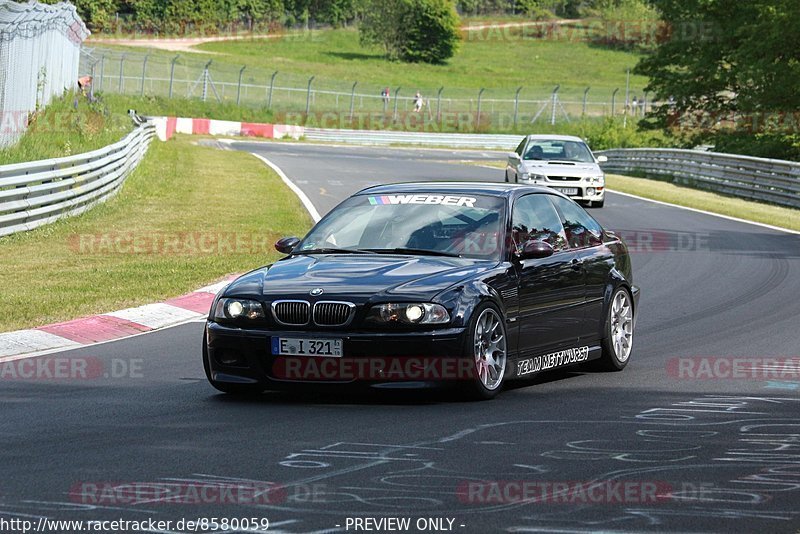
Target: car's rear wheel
pixel 226 387
pixel 486 343
pixel 618 342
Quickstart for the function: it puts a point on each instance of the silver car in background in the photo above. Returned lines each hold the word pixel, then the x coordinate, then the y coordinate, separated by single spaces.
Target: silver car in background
pixel 563 162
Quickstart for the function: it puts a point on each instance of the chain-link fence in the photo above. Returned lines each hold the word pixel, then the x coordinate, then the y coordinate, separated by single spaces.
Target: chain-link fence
pixel 290 94
pixel 39 58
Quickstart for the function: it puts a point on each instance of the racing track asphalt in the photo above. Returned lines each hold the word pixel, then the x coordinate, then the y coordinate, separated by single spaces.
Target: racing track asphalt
pixel 727 450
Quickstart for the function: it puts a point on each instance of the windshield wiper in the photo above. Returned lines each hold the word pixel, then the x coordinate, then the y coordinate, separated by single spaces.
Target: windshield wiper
pixel 332 250
pixel 419 251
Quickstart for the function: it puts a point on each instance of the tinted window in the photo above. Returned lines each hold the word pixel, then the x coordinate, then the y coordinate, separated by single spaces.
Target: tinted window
pixel 467 225
pixel 535 218
pixel 581 229
pixel 552 149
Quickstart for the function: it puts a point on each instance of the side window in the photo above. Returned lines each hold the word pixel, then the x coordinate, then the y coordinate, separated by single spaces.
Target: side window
pixel 581 229
pixel 535 218
pixel 521 147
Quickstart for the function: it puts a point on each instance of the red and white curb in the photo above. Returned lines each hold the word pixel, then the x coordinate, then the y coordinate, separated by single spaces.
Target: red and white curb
pixel 166 127
pixel 109 326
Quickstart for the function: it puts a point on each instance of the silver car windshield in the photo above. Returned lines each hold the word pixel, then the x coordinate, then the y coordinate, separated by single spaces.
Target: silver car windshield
pixel 458 225
pixel 550 149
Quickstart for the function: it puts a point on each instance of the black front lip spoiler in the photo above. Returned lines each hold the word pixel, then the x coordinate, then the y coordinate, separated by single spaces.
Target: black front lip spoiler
pixel 257 363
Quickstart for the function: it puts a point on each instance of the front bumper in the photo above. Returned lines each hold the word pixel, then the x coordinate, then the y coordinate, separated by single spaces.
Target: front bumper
pixel 577 190
pixel 393 359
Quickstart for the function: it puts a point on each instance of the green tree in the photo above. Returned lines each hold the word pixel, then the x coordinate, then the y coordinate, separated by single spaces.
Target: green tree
pixel 432 32
pixel 730 73
pixel 96 14
pixel 383 24
pixel 726 56
pixel 411 30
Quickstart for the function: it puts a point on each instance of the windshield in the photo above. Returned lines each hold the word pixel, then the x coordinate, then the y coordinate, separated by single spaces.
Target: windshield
pixel 549 149
pixel 468 226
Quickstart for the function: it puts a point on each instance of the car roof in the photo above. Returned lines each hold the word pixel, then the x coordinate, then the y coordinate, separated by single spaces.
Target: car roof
pixel 498 189
pixel 541 137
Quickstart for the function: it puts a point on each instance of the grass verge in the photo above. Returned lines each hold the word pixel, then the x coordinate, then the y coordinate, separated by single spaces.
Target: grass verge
pixel 705 200
pixel 187 216
pixel 68 125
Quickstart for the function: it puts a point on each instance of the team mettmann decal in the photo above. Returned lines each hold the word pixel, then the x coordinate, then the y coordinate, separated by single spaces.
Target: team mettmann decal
pixel 554 359
pixel 445 200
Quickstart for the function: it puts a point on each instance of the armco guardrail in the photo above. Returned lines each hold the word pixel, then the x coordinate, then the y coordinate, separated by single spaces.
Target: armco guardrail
pixel 388 137
pixel 39 192
pixel 769 180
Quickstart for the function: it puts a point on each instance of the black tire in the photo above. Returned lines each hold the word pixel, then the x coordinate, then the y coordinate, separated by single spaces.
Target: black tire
pixel 506 174
pixel 232 389
pixel 488 379
pixel 597 203
pixel 617 344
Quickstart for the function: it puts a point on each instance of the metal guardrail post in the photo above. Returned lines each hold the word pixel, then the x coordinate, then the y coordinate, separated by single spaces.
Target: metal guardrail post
pixel 585 98
pixel 308 95
pixel 353 100
pixel 439 106
pixel 516 106
pixel 121 73
pixel 480 96
pixel 144 73
pixel 102 71
pixel 614 101
pixel 554 99
pixel 239 87
pixel 172 73
pixel 205 80
pixel 271 86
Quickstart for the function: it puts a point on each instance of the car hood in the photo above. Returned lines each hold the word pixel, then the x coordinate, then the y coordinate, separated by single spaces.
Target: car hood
pixel 561 169
pixel 357 278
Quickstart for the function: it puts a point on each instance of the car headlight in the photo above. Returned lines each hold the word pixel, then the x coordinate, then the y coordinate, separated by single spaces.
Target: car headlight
pixel 229 309
pixel 409 313
pixel 599 179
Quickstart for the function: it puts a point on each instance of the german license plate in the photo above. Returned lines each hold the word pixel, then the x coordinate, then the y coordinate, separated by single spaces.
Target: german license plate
pixel 572 191
pixel 296 346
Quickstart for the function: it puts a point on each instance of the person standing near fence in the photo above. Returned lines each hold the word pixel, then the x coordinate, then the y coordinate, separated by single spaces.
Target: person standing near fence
pixel 418 102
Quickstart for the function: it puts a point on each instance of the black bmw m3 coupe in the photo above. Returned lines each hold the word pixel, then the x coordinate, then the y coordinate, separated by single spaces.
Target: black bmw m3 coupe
pixel 427 284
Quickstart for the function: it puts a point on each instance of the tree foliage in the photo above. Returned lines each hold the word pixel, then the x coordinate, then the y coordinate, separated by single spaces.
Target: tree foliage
pixel 412 30
pixel 725 60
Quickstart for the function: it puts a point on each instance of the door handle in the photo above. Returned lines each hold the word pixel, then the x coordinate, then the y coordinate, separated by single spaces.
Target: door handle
pixel 576 264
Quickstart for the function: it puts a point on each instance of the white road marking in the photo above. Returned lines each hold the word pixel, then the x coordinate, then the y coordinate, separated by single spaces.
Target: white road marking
pixel 297 191
pixel 704 212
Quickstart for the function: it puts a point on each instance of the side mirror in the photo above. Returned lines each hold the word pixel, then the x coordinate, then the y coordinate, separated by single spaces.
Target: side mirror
pixel 286 245
pixel 536 249
pixel 513 155
pixel 602 159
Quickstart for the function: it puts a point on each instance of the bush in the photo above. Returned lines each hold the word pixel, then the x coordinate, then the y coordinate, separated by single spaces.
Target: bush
pixel 412 30
pixel 432 33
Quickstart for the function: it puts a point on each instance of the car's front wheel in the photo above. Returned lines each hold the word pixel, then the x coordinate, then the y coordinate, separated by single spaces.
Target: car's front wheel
pixel 226 387
pixel 487 345
pixel 618 342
